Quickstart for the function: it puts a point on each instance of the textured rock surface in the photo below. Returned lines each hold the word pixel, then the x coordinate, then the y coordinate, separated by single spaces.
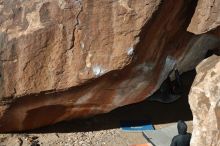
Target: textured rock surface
pixel 57 44
pixel 205 96
pixel 77 58
pixel 204 101
pixel 206 16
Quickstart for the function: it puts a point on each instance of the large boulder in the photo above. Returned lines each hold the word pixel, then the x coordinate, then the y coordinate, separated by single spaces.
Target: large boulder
pixel 64 59
pixel 204 99
pixel 206 16
pixel 53 45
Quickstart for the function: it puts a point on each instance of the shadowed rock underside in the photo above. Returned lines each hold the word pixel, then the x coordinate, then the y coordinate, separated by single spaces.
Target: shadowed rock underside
pixel 62 59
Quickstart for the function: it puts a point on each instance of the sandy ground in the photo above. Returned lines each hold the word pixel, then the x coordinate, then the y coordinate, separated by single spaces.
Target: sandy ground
pixel 112 137
pixel 104 130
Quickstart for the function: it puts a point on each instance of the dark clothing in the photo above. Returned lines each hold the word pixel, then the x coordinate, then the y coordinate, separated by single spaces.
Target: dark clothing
pixel 177 87
pixel 181 140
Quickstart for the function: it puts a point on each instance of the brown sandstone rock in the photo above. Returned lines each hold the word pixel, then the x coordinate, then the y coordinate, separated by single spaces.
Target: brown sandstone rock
pixel 57 44
pixel 204 99
pixel 63 59
pixel 206 16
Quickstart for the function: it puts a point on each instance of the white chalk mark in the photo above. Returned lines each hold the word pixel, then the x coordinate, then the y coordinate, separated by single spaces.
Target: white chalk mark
pixel 82 45
pixel 130 51
pixel 98 71
pixel 88 60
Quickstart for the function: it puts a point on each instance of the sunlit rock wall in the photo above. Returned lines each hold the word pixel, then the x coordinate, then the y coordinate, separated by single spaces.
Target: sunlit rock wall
pixel 64 59
pixel 204 99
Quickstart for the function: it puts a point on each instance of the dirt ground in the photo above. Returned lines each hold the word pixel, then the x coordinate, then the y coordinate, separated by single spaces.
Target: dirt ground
pixel 111 137
pixel 104 130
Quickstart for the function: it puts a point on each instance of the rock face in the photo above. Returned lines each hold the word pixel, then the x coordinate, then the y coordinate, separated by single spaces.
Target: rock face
pixel 206 16
pixel 204 97
pixel 77 58
pixel 53 45
pixel 204 101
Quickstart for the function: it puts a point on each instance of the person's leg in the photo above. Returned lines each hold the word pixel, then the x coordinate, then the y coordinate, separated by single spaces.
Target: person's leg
pixel 177 86
pixel 178 79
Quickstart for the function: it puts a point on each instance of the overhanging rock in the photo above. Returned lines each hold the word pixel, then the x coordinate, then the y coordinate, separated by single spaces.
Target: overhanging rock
pixel 61 59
